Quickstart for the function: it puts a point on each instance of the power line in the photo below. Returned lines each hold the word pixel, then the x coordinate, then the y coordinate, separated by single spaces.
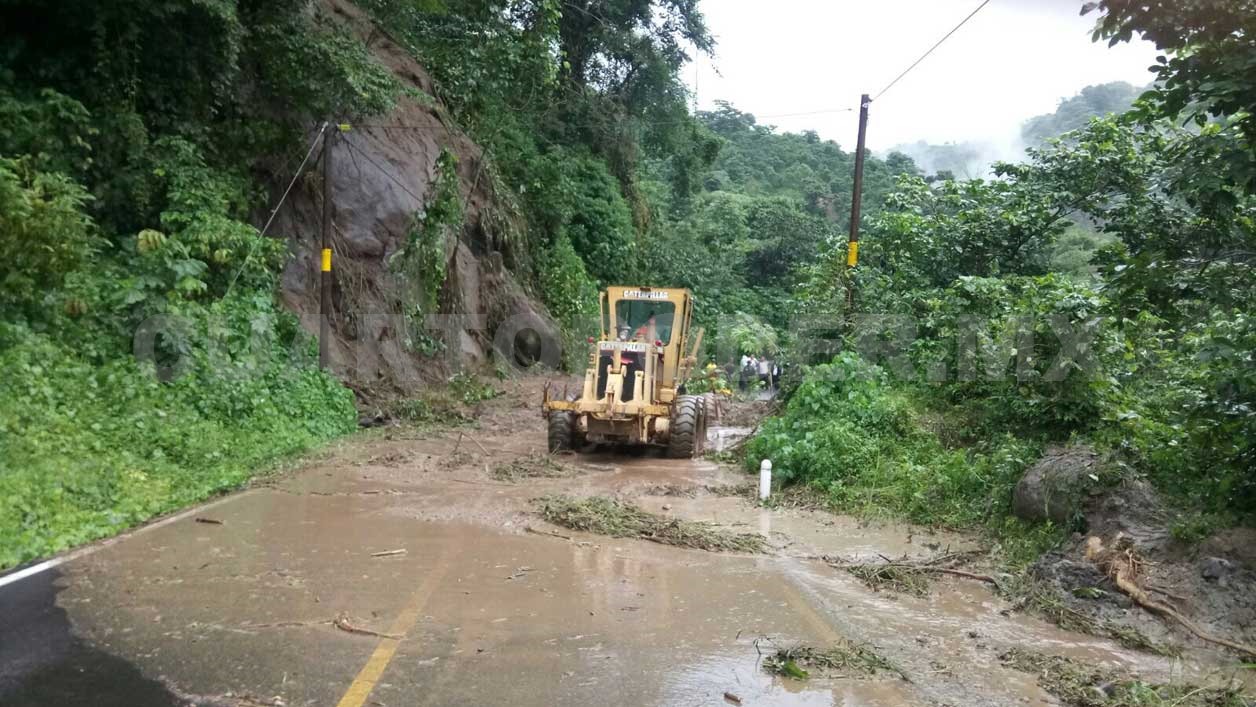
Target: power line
pixel 386 172
pixel 275 212
pixel 935 46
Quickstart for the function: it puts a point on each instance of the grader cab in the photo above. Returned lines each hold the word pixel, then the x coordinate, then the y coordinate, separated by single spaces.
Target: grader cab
pixel 633 392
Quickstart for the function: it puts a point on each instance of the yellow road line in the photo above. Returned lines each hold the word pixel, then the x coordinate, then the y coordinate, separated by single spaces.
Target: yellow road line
pixel 370 674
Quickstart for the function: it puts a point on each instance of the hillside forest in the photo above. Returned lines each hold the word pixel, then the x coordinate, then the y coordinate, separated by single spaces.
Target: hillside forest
pixel 1098 290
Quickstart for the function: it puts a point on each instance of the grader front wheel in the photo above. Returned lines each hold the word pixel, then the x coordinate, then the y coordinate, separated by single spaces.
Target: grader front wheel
pixel 688 428
pixel 562 432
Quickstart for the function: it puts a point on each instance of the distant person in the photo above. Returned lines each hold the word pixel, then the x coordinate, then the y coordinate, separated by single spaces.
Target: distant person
pixel 765 372
pixel 776 375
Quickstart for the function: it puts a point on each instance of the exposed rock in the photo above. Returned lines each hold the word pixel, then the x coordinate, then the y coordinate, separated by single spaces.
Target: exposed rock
pixel 384 172
pixel 1237 545
pixel 1055 487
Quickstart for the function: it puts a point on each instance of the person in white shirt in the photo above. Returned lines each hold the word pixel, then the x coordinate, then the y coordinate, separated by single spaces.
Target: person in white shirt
pixel 765 372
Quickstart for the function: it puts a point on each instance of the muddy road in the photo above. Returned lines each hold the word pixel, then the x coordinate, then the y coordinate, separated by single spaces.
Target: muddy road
pixel 409 567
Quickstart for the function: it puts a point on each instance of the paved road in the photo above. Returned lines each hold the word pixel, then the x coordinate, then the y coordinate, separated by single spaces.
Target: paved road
pixel 284 602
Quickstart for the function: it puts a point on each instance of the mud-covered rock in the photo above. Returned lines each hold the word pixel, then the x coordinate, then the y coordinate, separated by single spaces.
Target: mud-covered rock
pixel 1055 487
pixel 1215 569
pixel 1131 508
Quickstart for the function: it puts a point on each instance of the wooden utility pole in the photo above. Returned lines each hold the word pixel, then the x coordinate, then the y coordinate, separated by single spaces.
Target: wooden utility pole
pixel 852 253
pixel 856 199
pixel 325 280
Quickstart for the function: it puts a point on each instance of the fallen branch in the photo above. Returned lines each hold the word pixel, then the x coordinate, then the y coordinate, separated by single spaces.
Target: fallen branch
pixel 889 568
pixel 530 529
pixel 1122 566
pixel 342 623
pixel 389 553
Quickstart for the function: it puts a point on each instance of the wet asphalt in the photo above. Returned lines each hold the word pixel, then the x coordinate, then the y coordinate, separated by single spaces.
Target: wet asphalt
pixel 43 663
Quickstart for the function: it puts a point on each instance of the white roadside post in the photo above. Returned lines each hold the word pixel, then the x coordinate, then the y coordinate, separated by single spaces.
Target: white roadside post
pixel 765 479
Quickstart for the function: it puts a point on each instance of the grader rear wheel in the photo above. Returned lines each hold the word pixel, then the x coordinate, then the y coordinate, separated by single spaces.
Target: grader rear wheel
pixel 562 432
pixel 688 428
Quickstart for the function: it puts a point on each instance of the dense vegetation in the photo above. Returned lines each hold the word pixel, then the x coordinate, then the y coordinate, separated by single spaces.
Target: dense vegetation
pixel 978 354
pixel 144 362
pixel 137 136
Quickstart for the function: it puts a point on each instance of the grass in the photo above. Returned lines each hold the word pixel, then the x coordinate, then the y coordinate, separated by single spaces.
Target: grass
pixel 907 580
pixel 533 466
pixel 606 516
pixel 842 659
pixel 1080 685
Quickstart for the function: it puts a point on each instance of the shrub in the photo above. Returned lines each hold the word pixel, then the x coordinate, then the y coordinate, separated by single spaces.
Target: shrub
pixel 851 433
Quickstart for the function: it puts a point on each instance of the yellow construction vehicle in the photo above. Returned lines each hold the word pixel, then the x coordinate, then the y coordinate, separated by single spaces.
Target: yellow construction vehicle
pixel 634 387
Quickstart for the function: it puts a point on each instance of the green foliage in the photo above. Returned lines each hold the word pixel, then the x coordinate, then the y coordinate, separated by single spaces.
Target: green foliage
pixel 424 260
pixel 997 349
pixel 1152 363
pixel 44 234
pixel 582 202
pixel 322 70
pixel 572 298
pixel 744 334
pixel 132 136
pixel 87 450
pixel 932 234
pixel 849 432
pixel 1185 414
pixel 1210 48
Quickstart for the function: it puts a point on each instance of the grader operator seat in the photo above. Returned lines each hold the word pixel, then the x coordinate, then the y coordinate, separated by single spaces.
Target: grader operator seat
pixel 632 392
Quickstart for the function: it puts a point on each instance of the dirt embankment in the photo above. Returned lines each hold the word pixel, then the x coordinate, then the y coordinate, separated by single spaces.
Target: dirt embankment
pixel 1128 569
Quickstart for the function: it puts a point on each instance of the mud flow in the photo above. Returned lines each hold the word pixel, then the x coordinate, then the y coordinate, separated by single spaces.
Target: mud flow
pixel 405 567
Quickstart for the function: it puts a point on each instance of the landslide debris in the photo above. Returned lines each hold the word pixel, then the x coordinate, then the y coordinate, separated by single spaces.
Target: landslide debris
pixel 1082 685
pixel 843 659
pixel 607 516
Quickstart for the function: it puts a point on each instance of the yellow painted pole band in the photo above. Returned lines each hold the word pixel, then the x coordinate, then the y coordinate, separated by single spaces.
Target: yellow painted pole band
pixel 327 260
pixel 852 254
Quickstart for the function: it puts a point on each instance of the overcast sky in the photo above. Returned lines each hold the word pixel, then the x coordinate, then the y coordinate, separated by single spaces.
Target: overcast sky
pixel 1013 60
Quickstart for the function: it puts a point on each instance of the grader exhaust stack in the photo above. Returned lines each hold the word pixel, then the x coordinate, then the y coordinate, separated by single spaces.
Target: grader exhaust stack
pixel 633 390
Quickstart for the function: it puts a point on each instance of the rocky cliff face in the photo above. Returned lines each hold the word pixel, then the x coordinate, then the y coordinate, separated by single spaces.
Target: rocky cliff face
pixel 384 171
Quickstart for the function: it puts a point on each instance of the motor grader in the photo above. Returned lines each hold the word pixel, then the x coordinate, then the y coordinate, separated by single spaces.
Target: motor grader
pixel 634 391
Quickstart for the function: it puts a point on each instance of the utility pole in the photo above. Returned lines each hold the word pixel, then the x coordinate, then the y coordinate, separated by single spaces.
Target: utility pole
pixel 325 280
pixel 852 253
pixel 856 199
